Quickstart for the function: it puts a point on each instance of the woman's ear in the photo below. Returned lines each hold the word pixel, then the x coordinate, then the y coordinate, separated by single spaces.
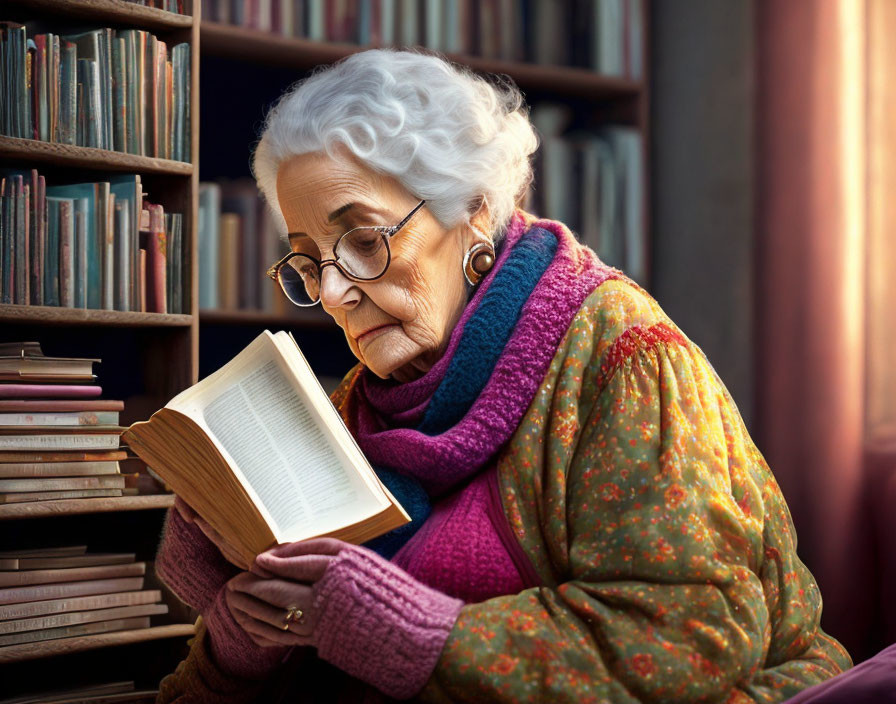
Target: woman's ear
pixel 481 221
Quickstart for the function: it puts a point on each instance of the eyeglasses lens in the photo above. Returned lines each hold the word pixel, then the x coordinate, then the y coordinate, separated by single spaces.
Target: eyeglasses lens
pixel 363 252
pixel 300 280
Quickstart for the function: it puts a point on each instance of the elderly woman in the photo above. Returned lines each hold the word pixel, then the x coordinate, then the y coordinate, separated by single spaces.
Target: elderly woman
pixel 592 522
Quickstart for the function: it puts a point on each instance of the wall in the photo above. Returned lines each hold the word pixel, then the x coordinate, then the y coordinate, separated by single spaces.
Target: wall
pixel 702 160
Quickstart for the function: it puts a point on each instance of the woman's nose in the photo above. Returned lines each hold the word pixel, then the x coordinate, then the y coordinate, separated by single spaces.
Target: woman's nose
pixel 337 290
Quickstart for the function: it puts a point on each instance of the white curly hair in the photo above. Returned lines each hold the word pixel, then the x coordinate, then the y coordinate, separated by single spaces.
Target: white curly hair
pixel 447 135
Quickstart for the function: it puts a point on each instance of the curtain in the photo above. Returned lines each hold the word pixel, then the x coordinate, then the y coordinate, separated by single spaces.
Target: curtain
pixel 825 390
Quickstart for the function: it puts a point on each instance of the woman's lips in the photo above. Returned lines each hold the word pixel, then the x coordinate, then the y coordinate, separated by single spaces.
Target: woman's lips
pixel 374 332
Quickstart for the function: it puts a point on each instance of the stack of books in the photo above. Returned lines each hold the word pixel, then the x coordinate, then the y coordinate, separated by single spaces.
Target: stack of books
pixel 592 180
pixel 88 245
pixel 238 241
pixel 606 36
pixel 61 592
pixel 120 89
pixel 58 440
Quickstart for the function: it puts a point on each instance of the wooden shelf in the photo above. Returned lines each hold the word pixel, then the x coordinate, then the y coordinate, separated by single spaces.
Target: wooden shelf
pixel 63 646
pixel 311 317
pixel 38 152
pixel 55 315
pixel 274 50
pixel 68 507
pixel 117 11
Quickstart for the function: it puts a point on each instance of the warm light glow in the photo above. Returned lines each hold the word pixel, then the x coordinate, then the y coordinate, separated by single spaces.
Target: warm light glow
pixel 880 385
pixel 853 152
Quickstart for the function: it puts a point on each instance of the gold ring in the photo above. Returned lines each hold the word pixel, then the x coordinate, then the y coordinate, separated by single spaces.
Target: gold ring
pixel 293 613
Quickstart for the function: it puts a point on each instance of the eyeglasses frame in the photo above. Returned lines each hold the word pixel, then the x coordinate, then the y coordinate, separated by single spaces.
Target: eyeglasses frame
pixel 386 232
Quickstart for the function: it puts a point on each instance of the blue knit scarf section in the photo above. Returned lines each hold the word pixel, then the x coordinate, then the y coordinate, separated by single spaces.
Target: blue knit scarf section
pixel 483 339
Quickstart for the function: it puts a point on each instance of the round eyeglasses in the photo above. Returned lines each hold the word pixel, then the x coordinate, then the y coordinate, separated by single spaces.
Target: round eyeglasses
pixel 361 254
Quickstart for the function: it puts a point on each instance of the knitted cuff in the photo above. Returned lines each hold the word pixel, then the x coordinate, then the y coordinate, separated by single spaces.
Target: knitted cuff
pixel 232 649
pixel 189 563
pixel 379 624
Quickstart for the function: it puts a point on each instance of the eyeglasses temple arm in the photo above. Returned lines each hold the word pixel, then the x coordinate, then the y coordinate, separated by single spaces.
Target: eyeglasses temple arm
pixel 272 272
pixel 408 217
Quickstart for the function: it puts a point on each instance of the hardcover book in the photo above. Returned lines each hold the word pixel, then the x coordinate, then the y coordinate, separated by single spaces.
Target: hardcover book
pixel 258 450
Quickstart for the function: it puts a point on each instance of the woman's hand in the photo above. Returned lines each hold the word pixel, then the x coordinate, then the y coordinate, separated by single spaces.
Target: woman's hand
pixel 364 614
pixel 190 516
pixel 281 578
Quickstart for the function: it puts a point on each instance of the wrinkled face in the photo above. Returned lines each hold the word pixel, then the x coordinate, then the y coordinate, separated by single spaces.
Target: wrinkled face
pixel 399 324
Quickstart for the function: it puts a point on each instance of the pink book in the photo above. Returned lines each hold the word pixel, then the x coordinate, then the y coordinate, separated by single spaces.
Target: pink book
pixel 155 242
pixel 49 391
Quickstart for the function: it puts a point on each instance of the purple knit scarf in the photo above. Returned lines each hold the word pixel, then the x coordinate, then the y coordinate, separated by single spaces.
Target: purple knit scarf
pixel 381 411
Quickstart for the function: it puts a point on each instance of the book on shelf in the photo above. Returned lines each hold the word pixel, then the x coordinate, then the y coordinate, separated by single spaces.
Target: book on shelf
pixel 49 391
pixel 55 551
pixel 68 590
pixel 35 562
pixel 81 629
pixel 40 465
pixel 39 366
pixel 116 89
pixel 105 693
pixel 40 437
pixel 31 496
pixel 60 418
pixel 71 574
pixel 53 484
pixel 209 220
pixel 46 607
pixel 258 450
pixel 605 36
pixel 55 407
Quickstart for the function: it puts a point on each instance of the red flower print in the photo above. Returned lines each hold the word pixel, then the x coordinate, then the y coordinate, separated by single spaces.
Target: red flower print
pixel 610 491
pixel 643 664
pixel 674 495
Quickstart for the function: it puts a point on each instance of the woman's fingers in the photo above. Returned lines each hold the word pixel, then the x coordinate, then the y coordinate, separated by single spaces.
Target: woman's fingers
pixel 247 608
pixel 302 568
pixel 260 571
pixel 262 634
pixel 279 593
pixel 315 546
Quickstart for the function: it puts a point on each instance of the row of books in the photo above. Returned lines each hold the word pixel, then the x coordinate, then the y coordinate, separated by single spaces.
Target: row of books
pixel 238 242
pixel 58 439
pixel 88 245
pixel 593 181
pixel 120 89
pixel 606 36
pixel 61 592
pixel 167 5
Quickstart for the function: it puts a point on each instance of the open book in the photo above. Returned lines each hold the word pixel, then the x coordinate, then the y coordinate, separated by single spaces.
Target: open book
pixel 258 450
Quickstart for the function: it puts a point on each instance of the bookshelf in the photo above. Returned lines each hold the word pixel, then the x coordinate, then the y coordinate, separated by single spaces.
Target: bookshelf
pixel 146 358
pixel 265 63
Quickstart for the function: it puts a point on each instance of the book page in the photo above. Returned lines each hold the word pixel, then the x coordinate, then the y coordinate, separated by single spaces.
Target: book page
pixel 270 432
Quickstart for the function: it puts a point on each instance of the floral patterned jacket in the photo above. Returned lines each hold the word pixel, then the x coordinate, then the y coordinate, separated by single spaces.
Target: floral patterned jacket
pixel 665 548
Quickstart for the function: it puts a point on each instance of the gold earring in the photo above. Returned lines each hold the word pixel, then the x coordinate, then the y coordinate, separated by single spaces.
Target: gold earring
pixel 478 261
